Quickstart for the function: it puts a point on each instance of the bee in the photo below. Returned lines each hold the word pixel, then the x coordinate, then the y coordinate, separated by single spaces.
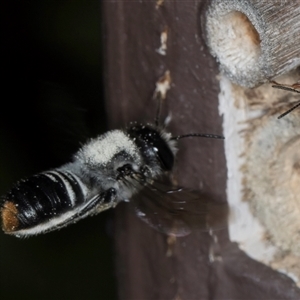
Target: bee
pixel 126 165
pixel 292 88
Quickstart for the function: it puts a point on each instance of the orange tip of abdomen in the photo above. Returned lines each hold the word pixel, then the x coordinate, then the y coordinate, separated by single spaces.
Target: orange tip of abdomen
pixel 10 221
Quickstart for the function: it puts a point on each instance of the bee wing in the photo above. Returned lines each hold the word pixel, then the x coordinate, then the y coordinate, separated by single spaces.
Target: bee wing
pixel 178 211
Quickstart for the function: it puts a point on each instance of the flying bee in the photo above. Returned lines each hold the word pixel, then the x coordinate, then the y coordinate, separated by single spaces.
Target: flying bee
pixel 129 165
pixel 292 88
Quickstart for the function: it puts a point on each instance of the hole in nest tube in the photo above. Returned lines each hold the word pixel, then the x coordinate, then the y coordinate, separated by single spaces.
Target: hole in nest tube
pixel 235 41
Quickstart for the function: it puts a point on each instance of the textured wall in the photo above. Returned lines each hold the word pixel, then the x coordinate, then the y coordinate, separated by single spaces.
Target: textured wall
pixel 202 265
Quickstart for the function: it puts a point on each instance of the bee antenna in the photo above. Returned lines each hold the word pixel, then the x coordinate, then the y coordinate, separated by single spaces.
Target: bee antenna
pixel 213 136
pixel 286 88
pixel 288 111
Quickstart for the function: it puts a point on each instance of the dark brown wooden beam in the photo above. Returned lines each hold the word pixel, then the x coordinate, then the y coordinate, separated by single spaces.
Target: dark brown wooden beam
pixel 150 265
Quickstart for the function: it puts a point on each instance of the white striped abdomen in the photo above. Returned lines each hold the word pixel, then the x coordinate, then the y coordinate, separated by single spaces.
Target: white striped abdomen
pixel 41 198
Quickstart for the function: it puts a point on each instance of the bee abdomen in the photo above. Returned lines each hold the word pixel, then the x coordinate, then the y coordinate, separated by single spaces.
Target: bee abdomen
pixel 40 198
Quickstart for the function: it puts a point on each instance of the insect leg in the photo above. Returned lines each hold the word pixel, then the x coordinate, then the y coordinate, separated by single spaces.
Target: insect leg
pixel 105 198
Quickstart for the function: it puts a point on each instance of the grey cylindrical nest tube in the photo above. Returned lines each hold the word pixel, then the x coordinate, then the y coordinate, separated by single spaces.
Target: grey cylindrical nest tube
pixel 254 41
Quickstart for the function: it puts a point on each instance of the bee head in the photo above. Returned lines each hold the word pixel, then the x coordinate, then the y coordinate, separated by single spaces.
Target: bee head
pixel 154 144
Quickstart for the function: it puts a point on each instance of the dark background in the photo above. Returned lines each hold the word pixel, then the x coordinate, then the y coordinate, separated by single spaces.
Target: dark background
pixel 52 101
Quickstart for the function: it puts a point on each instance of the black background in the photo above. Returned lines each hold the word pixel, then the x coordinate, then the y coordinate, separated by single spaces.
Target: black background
pixel 52 101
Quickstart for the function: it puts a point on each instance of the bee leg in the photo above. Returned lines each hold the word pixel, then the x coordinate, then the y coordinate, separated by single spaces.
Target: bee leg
pixel 106 197
pixel 109 196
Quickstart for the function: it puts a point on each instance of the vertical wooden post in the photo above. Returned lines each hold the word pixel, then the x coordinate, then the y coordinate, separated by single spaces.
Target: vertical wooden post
pixel 142 40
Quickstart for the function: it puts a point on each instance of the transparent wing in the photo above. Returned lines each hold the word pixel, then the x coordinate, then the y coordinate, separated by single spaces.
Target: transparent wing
pixel 178 211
